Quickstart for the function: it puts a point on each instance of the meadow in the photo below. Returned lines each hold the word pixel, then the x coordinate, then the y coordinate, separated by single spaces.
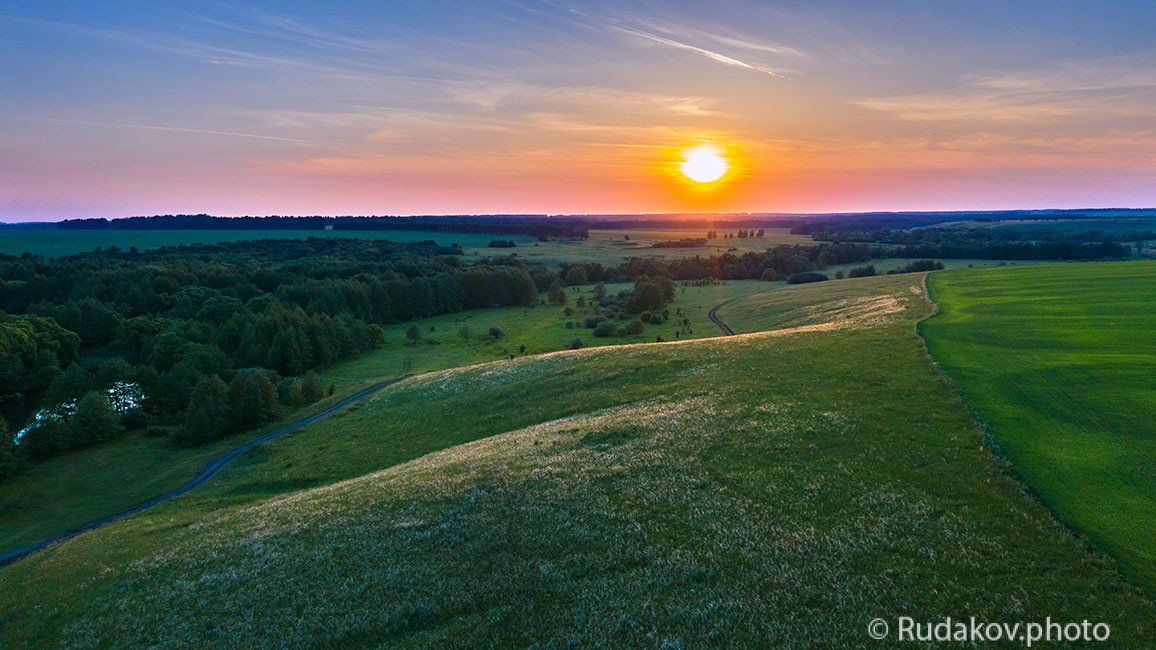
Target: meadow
pixel 608 247
pixel 1057 361
pixel 60 243
pixel 65 492
pixel 777 488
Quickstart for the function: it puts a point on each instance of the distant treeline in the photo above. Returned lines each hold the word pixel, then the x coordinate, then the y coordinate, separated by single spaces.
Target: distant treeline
pixel 982 243
pixel 777 263
pixel 215 322
pixel 531 225
pixel 821 225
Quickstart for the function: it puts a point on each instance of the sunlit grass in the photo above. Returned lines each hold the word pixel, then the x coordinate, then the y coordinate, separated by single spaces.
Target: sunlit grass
pixel 759 491
pixel 76 488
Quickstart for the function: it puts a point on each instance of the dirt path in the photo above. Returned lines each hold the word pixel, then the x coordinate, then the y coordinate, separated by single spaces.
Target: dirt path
pixel 713 316
pixel 212 468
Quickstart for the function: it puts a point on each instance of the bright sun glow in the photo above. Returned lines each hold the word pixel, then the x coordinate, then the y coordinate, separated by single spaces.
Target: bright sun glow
pixel 704 164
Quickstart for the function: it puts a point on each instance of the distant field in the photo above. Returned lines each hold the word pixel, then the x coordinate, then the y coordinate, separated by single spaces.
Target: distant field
pixel 748 491
pixel 58 243
pixel 1058 360
pixel 608 247
pixel 1103 224
pixel 891 263
pixel 70 490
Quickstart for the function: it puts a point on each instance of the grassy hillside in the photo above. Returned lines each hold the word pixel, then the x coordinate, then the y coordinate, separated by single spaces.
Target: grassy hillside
pixel 68 491
pixel 771 489
pixel 1058 360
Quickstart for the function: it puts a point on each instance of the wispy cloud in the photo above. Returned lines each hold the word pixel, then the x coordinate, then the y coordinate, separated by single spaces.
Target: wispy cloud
pixel 1076 90
pixel 173 129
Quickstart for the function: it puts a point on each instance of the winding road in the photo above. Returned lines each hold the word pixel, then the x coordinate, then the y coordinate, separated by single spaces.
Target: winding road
pixel 214 466
pixel 713 316
pixel 211 469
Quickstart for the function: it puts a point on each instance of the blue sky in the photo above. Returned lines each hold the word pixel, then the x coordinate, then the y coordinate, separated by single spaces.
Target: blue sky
pixel 115 109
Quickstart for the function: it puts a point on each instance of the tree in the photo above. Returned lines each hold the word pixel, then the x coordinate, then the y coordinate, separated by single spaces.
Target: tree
pixel 94 420
pixel 251 400
pixel 576 276
pixel 556 294
pixel 205 417
pixel 291 392
pixel 599 291
pixel 413 333
pixel 9 461
pixel 312 388
pixel 464 332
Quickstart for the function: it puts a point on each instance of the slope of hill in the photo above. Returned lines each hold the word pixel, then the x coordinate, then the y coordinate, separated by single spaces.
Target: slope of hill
pixel 769 489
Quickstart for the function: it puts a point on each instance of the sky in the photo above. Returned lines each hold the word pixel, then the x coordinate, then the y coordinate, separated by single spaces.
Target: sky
pixel 565 107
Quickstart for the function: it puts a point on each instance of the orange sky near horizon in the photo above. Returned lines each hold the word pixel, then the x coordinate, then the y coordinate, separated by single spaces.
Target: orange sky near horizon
pixel 564 108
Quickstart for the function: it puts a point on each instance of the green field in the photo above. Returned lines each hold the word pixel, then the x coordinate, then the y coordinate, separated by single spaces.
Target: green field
pixel 59 243
pixel 68 491
pixel 608 247
pixel 1057 360
pixel 775 489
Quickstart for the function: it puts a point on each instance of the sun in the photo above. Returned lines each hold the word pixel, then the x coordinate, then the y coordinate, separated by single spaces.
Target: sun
pixel 703 164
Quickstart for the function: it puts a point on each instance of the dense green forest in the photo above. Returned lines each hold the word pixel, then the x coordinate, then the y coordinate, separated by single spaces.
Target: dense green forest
pixel 210 340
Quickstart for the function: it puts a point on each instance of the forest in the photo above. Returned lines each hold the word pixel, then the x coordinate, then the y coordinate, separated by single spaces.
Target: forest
pixel 202 341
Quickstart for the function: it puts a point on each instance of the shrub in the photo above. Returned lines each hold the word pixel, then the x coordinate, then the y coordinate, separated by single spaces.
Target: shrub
pixel 605 328
pixel 496 333
pixel 135 419
pixel 770 275
pixel 918 266
pixel 575 344
pixel 805 278
pixel 862 272
pixel 634 327
pixel 556 294
pixel 593 320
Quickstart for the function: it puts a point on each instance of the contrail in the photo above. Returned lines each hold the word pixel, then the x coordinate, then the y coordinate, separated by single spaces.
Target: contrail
pixel 714 56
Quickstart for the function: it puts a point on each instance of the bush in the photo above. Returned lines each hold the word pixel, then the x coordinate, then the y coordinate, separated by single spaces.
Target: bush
pixel 94 420
pixel 135 419
pixel 862 272
pixel 569 324
pixel 918 266
pixel 575 344
pixel 593 320
pixel 805 278
pixel 312 388
pixel 634 327
pixel 770 275
pixel 496 333
pixel 605 328
pixel 155 431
